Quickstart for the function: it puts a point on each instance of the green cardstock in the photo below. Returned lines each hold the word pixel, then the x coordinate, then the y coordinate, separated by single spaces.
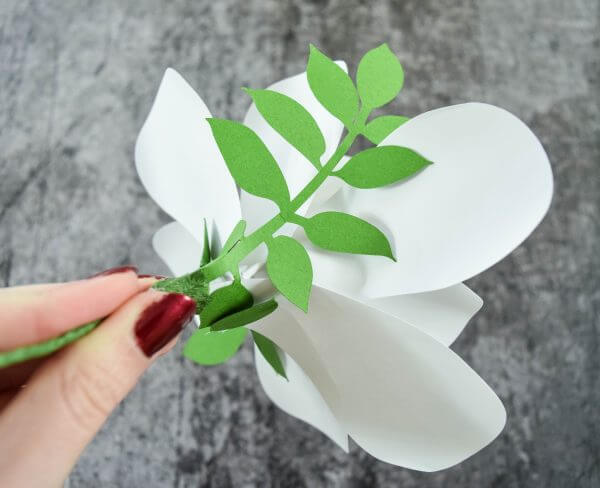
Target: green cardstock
pixel 236 234
pixel 380 166
pixel 340 232
pixel 206 247
pixel 208 348
pixel 381 127
pixel 379 77
pixel 292 121
pixel 193 285
pixel 290 270
pixel 249 161
pixel 225 301
pixel 332 86
pixel 246 316
pixel 270 352
pixel 25 353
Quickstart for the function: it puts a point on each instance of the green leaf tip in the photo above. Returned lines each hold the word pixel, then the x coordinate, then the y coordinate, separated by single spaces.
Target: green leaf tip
pixel 209 348
pixel 250 163
pixel 332 87
pixel 248 90
pixel 379 77
pixel 245 316
pixel 341 232
pixel 290 270
pixel 206 246
pixel 382 165
pixel 292 122
pixel 270 352
pixel 236 235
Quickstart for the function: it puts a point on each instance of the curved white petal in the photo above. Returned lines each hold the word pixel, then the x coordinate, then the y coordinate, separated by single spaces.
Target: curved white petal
pixel 298 396
pixel 180 165
pixel 400 394
pixel 177 248
pixel 443 314
pixel 489 187
pixel 295 167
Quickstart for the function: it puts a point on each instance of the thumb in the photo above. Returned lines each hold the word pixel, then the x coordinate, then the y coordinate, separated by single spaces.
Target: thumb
pixel 50 422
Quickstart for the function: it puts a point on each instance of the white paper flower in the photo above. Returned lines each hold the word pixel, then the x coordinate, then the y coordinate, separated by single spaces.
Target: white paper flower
pixel 371 358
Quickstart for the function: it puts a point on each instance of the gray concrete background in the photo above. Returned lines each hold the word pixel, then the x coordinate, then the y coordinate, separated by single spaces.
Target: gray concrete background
pixel 77 79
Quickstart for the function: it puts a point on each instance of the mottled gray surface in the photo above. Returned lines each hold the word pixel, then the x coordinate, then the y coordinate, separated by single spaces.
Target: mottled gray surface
pixel 77 79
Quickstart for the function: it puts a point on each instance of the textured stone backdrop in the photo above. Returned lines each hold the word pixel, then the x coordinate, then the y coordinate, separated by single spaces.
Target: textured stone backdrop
pixel 77 79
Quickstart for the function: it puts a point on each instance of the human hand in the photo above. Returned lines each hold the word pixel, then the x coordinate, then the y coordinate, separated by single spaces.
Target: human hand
pixel 50 408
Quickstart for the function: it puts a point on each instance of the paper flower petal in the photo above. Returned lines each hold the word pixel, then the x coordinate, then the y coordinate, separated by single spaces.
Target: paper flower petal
pixel 400 394
pixel 296 169
pixel 180 165
pixel 443 314
pixel 177 248
pixel 298 396
pixel 489 187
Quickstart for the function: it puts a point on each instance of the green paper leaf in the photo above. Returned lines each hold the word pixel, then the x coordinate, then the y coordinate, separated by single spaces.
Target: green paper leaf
pixel 246 316
pixel 225 301
pixel 236 234
pixel 269 351
pixel 292 121
pixel 208 347
pixel 380 166
pixel 290 270
pixel 206 247
pixel 249 161
pixel 381 127
pixel 40 349
pixel 379 77
pixel 332 86
pixel 340 232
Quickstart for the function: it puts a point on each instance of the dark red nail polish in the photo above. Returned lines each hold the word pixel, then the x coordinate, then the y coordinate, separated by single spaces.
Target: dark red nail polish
pixel 162 321
pixel 111 271
pixel 158 277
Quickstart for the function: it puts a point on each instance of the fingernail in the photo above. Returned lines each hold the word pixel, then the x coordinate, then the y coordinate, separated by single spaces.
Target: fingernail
pixel 158 277
pixel 111 271
pixel 162 321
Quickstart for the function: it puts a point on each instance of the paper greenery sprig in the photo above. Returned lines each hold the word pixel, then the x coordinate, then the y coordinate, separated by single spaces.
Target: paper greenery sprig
pixel 379 79
pixel 258 207
pixel 253 167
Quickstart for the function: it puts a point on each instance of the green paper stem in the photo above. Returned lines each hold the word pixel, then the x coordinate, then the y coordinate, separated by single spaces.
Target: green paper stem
pixel 25 353
pixel 230 261
pixel 193 285
pixel 196 284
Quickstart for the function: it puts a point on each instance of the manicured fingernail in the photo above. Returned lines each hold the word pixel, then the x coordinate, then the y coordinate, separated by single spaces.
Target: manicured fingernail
pixel 162 321
pixel 111 271
pixel 158 277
